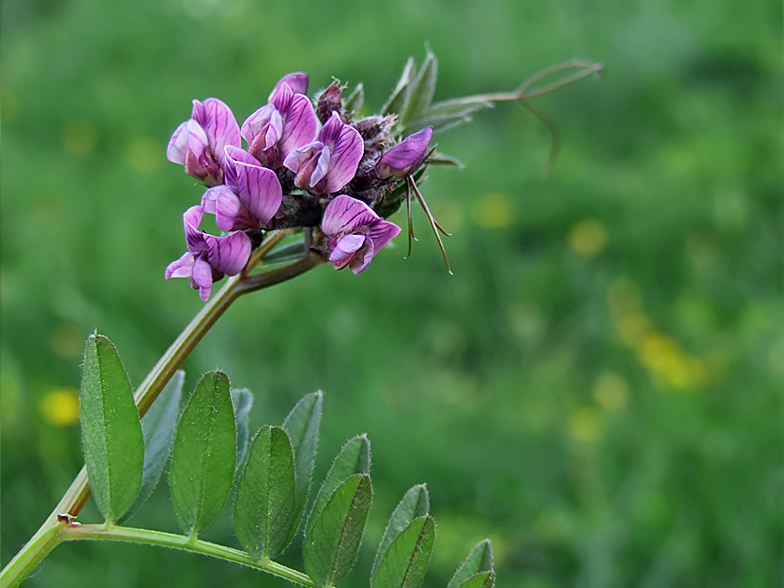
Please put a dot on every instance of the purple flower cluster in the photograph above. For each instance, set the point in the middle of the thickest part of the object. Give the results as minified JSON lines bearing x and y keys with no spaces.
{"x":301,"y":167}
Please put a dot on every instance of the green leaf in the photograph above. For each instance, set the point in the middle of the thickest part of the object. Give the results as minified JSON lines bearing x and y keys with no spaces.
{"x":241,"y":401}
{"x":438,"y":158}
{"x":111,"y":432}
{"x":398,"y":101}
{"x":354,"y":458}
{"x":158,"y":427}
{"x":480,"y":580}
{"x":422,"y":90}
{"x":302,"y":425}
{"x":264,"y":508}
{"x":416,"y":503}
{"x":203,"y":456}
{"x":449,"y":113}
{"x":405,"y":562}
{"x":479,"y":560}
{"x":355,"y":100}
{"x":332,"y":545}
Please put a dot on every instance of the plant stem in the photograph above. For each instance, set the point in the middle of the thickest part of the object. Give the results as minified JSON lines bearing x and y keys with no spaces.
{"x":47,"y":537}
{"x":110,"y":532}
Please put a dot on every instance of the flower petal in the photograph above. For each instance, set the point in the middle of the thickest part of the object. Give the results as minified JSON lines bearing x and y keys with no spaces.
{"x":299,"y":125}
{"x":297,"y":80}
{"x":191,"y":219}
{"x":219,"y":124}
{"x":178,"y":144}
{"x":344,"y":248}
{"x":236,"y":155}
{"x":382,"y":232}
{"x":181,"y":268}
{"x":347,"y":148}
{"x":259,"y":190}
{"x":227,"y":208}
{"x":405,"y":157}
{"x":228,"y":254}
{"x":262,"y":130}
{"x":363,"y":257}
{"x":201,"y":277}
{"x":345,"y":214}
{"x":322,"y":167}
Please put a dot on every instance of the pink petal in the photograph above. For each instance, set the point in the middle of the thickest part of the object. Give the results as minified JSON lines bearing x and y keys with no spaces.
{"x":227,"y":208}
{"x":345,"y":214}
{"x":299,"y":125}
{"x":219,"y":124}
{"x":181,"y":268}
{"x":201,"y":278}
{"x":322,"y":167}
{"x":178,"y":144}
{"x":228,"y":254}
{"x":382,"y":232}
{"x":402,"y":159}
{"x":344,"y":249}
{"x":263,"y":128}
{"x":193,"y":236}
{"x":362,"y":259}
{"x":347,"y":148}
{"x":297,"y":80}
{"x":259,"y":190}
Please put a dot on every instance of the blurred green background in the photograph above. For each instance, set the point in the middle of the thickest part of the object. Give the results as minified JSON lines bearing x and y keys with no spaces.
{"x":597,"y":389}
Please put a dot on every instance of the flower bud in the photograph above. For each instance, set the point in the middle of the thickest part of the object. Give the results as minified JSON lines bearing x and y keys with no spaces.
{"x":404,"y":158}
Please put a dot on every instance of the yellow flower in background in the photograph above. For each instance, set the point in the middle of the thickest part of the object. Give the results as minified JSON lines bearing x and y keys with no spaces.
{"x":493,"y":211}
{"x":588,"y":238}
{"x":60,"y":408}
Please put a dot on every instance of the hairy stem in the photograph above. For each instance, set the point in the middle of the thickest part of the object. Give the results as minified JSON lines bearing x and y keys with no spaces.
{"x":184,"y":543}
{"x":48,"y":535}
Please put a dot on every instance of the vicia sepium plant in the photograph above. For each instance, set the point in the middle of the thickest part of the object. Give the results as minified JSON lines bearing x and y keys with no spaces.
{"x":314,"y":183}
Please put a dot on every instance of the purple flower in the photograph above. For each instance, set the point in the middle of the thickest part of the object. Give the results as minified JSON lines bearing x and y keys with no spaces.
{"x":209,"y":258}
{"x":285,"y":124}
{"x":250,"y":197}
{"x":297,"y":80}
{"x":330,"y":162}
{"x":405,"y":157}
{"x":355,"y":232}
{"x":198,"y":143}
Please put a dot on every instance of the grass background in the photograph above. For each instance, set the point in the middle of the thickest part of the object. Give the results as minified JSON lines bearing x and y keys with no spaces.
{"x":597,"y":389}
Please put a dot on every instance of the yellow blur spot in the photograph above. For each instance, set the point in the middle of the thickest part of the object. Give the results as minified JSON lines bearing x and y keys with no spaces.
{"x":60,"y":408}
{"x":633,"y":327}
{"x":674,"y":368}
{"x":66,"y":341}
{"x":79,"y":137}
{"x":657,"y":351}
{"x":588,"y":238}
{"x":586,"y":424}
{"x":493,"y":211}
{"x":144,"y":155}
{"x":611,"y":392}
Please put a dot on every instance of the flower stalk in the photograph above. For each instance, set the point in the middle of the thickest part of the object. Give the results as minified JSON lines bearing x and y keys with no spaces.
{"x":51,"y":532}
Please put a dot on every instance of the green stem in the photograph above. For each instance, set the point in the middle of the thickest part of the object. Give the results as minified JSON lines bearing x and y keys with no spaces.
{"x":108,"y":532}
{"x":47,"y":537}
